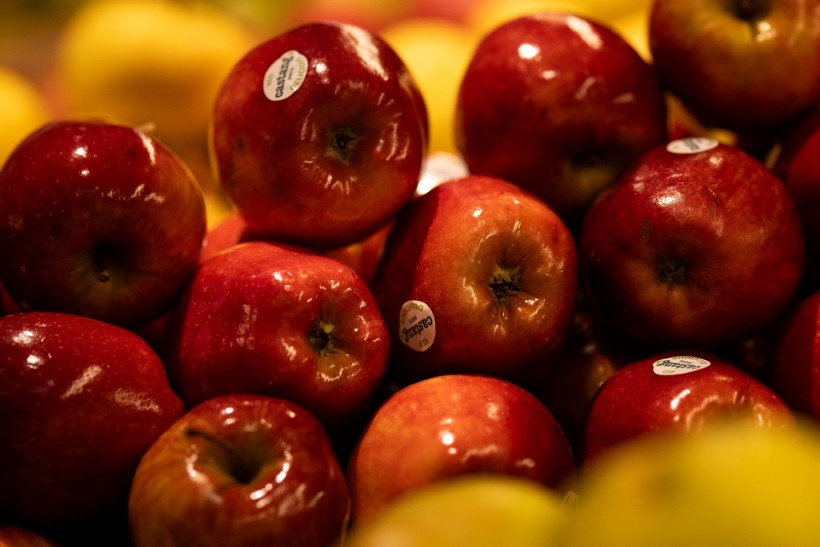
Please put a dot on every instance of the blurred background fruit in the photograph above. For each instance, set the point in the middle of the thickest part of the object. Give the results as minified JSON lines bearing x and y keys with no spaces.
{"x":22,"y":109}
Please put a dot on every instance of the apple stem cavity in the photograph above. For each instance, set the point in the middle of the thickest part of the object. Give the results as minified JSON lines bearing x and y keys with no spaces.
{"x":342,"y":144}
{"x":322,"y":338}
{"x":671,"y":270}
{"x":751,"y":10}
{"x":505,"y":283}
{"x":102,"y":257}
{"x":241,"y":469}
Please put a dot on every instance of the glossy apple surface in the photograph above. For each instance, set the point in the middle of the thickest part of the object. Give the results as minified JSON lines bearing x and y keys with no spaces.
{"x":454,"y":425}
{"x":560,"y":105}
{"x":795,"y":372}
{"x":16,"y":536}
{"x":318,"y":135}
{"x":363,"y":256}
{"x":742,"y":64}
{"x":99,"y":220}
{"x":700,"y":246}
{"x":478,"y":276}
{"x":240,"y":470}
{"x":681,"y":392}
{"x":80,"y":402}
{"x":274,"y":320}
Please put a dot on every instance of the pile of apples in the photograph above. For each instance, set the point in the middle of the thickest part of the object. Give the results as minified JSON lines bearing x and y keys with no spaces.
{"x":596,"y":265}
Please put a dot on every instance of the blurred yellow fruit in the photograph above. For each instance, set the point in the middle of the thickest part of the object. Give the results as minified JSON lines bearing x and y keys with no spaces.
{"x":634,"y":27}
{"x":155,"y":62}
{"x":437,"y":53}
{"x":22,"y":110}
{"x":475,"y":510}
{"x":734,"y":485}
{"x":490,"y":14}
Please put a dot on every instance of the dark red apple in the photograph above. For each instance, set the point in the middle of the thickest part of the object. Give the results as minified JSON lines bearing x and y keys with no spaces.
{"x":698,"y":245}
{"x":80,"y":403}
{"x":275,"y":320}
{"x":452,"y":425}
{"x":738,"y":64}
{"x":98,"y":220}
{"x":479,"y":276}
{"x":560,"y":105}
{"x":798,"y":166}
{"x":239,"y":470}
{"x":319,"y":134}
{"x":677,"y":392}
{"x":795,"y":372}
{"x":363,"y":256}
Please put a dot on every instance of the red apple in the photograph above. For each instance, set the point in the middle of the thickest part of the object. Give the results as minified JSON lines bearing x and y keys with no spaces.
{"x":16,"y":536}
{"x":452,"y":425}
{"x":560,"y":105}
{"x":698,"y":245}
{"x":741,"y":64}
{"x":363,"y":256}
{"x":798,"y":166}
{"x":318,"y":135}
{"x":478,"y":275}
{"x":80,"y":402}
{"x":795,"y":371}
{"x":99,"y":220}
{"x":680,"y":392}
{"x":274,"y":320}
{"x":240,"y":470}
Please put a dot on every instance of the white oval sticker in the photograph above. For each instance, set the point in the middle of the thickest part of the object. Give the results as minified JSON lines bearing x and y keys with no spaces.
{"x":285,"y":76}
{"x":691,"y":145}
{"x":679,"y":364}
{"x":417,"y":327}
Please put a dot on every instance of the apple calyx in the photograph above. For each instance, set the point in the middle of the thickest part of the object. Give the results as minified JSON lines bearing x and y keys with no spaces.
{"x":342,"y":144}
{"x":241,"y":469}
{"x":102,"y":256}
{"x":322,"y":338}
{"x":671,"y":270}
{"x":752,"y":10}
{"x":505,"y":283}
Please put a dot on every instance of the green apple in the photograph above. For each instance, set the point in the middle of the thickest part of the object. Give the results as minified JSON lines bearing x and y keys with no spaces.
{"x":732,"y":485}
{"x":475,"y":510}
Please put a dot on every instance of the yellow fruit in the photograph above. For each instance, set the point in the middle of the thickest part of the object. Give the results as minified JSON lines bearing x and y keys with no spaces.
{"x":734,"y":485}
{"x":142,"y":62}
{"x":475,"y":510}
{"x":22,"y":110}
{"x":634,"y":27}
{"x":437,"y":53}
{"x":490,"y":14}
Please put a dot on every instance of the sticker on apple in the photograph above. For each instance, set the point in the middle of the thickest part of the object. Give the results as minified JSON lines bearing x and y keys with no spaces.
{"x":285,"y":76}
{"x":680,"y":364}
{"x":417,"y":327}
{"x":691,"y":145}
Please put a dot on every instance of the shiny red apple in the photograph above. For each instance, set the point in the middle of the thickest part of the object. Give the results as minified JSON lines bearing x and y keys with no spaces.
{"x":319,"y":134}
{"x":795,"y":369}
{"x":740,"y":64}
{"x":560,"y":105}
{"x":80,"y":403}
{"x":478,"y":275}
{"x":100,"y":220}
{"x":276,"y":320}
{"x":677,"y":392}
{"x":698,"y":245}
{"x":452,"y":425}
{"x":240,"y":470}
